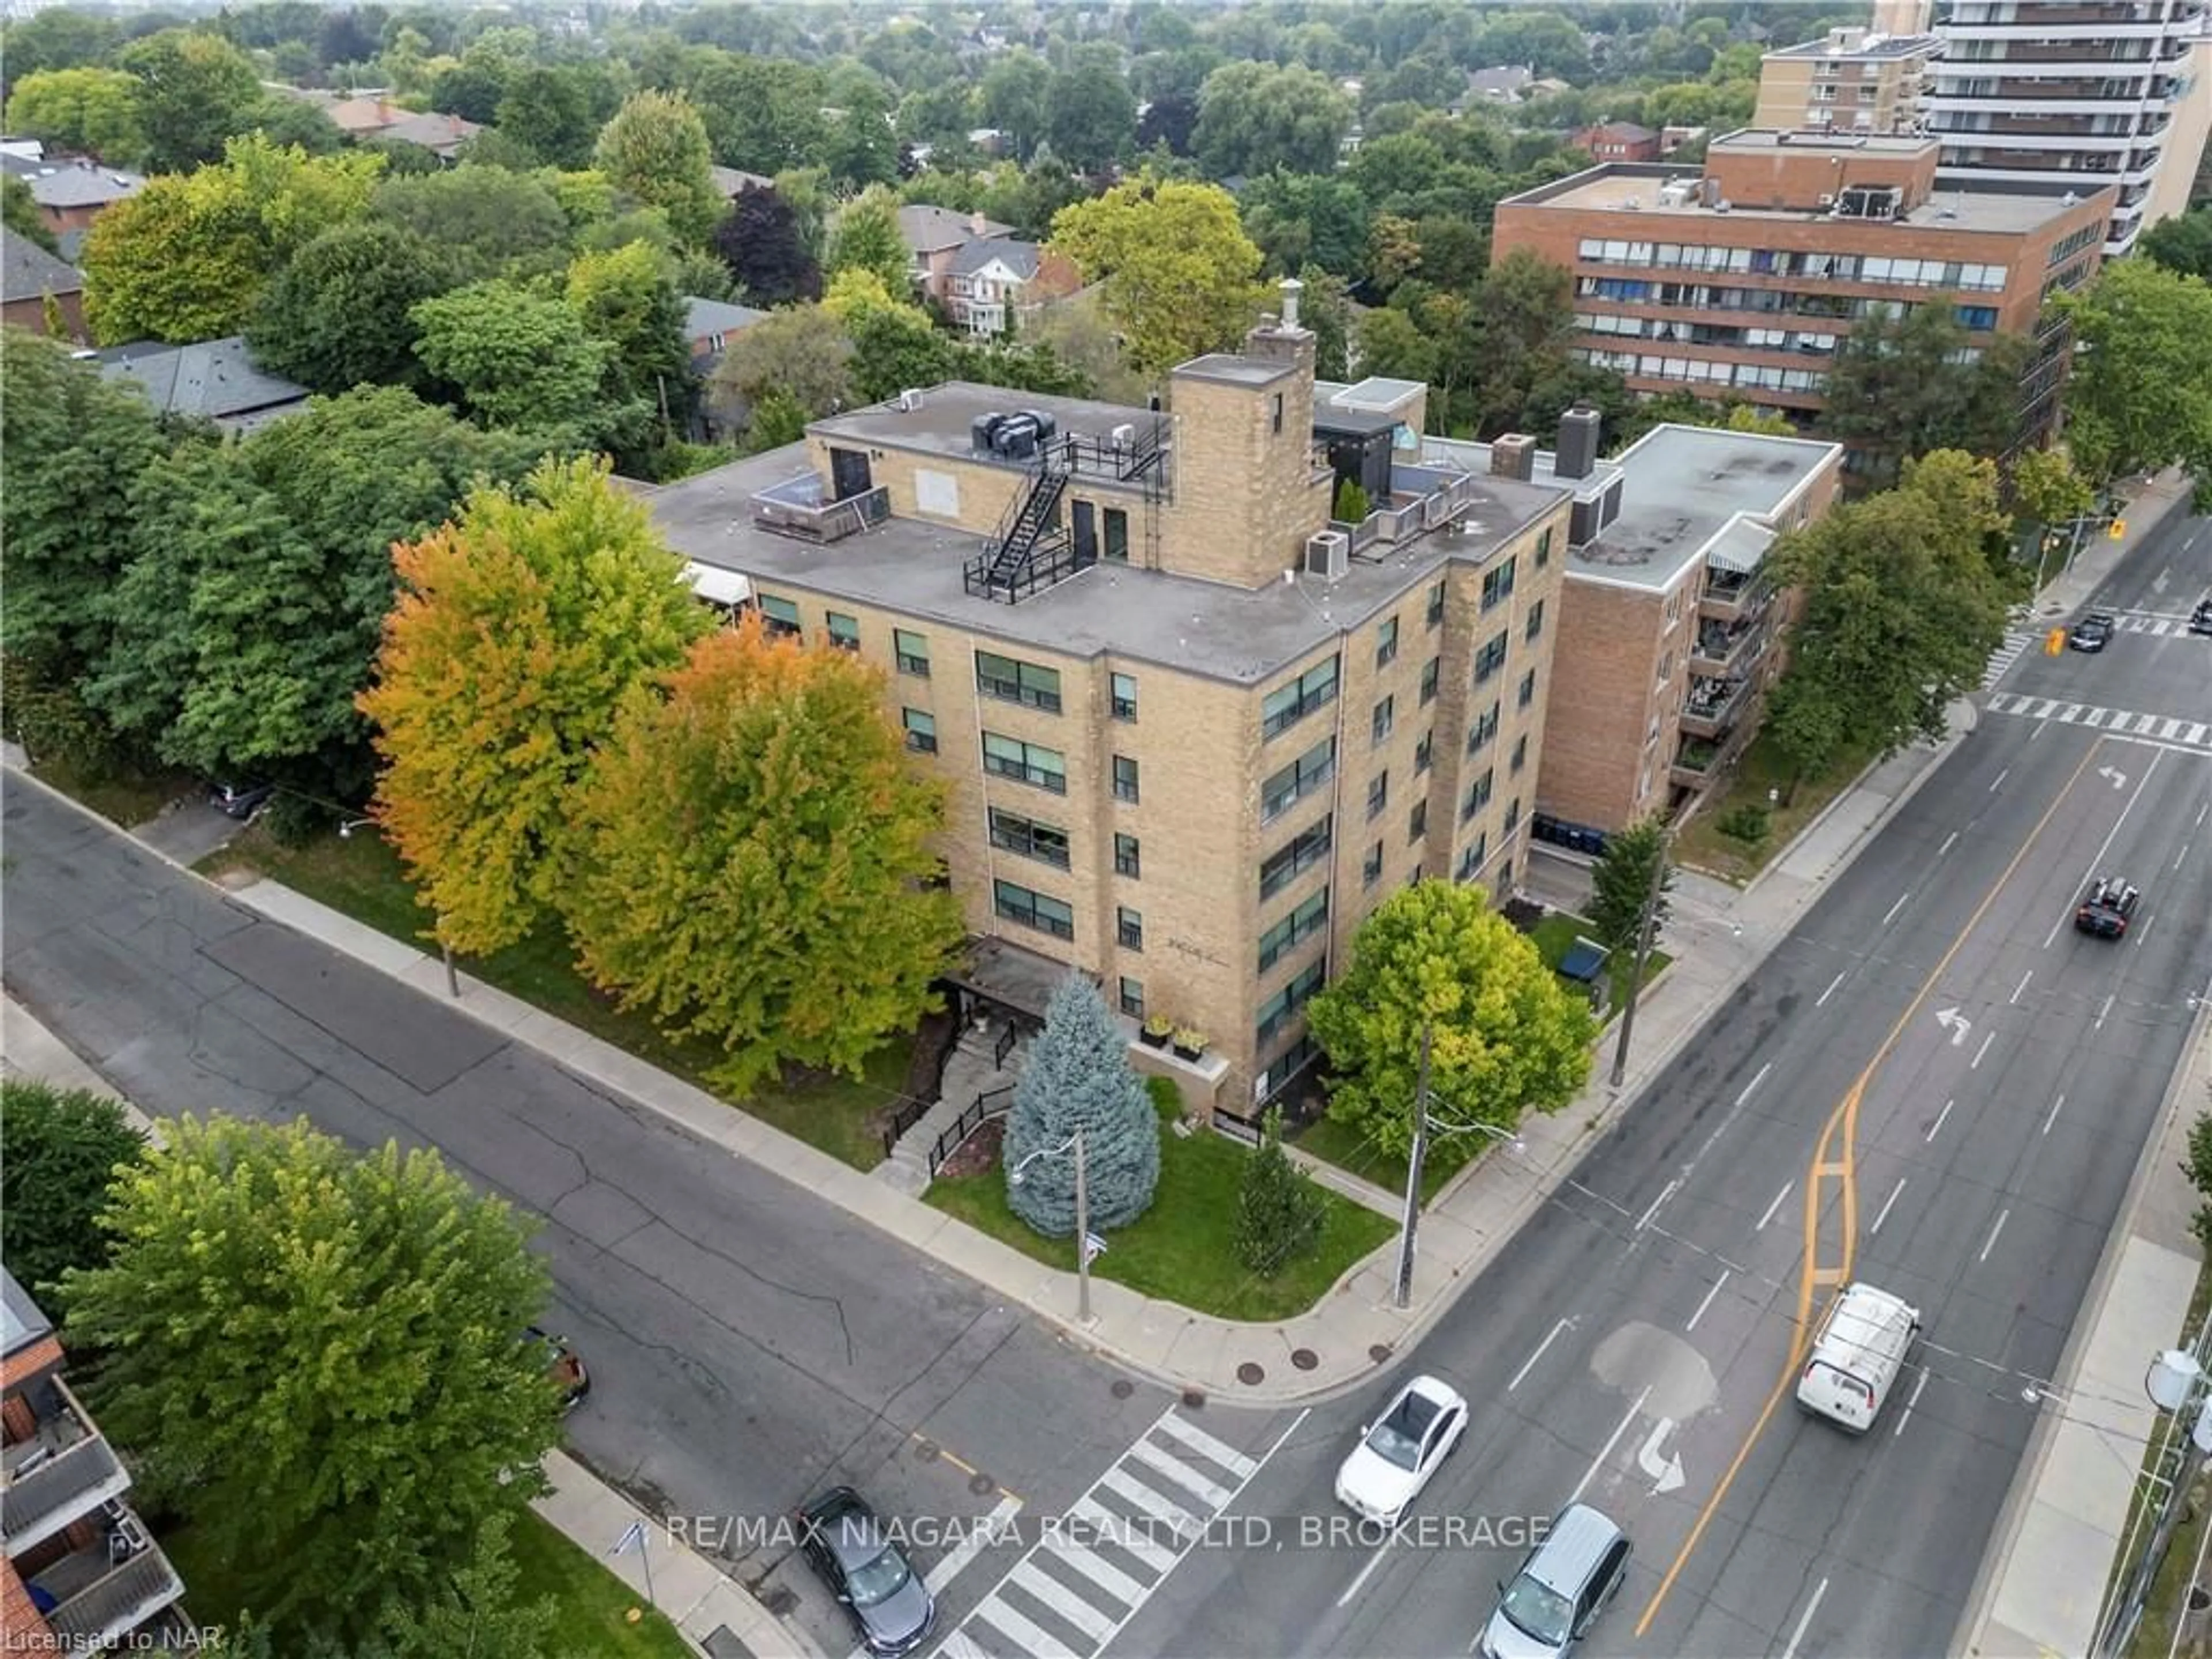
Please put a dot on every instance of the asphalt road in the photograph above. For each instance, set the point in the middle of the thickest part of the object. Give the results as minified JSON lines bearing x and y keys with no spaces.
{"x":1934,"y":1085}
{"x":750,"y":1345}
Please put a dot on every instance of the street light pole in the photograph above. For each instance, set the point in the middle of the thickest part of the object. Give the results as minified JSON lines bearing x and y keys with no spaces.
{"x":1405,"y":1289}
{"x":1646,"y":931}
{"x":1082,"y":1234}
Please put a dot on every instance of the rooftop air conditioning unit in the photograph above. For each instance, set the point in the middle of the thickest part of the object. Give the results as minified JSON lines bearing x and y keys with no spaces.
{"x":1722,"y":206}
{"x":1827,"y":201}
{"x":1124,"y":436}
{"x":1329,"y":553}
{"x":909,"y":400}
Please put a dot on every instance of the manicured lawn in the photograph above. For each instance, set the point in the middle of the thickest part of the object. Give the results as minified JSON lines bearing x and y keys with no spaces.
{"x":361,"y":876}
{"x":1555,"y":935}
{"x":1183,"y":1249}
{"x":1351,"y":1151}
{"x":1700,"y":845}
{"x":128,"y":799}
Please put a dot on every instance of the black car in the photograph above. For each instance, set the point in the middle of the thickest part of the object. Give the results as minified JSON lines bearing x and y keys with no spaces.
{"x":2106,"y":908}
{"x":2200,"y":620}
{"x":2093,"y":633}
{"x":869,"y":1574}
{"x":568,"y":1371}
{"x":240,"y":800}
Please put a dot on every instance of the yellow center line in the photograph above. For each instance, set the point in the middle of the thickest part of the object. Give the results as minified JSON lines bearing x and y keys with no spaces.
{"x":1839,"y":1162}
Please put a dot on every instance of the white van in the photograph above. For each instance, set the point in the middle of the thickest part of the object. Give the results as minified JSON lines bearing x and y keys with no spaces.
{"x":1856,"y":1356}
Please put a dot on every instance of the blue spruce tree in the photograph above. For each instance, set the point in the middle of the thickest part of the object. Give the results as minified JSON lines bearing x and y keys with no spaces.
{"x":1078,"y":1076}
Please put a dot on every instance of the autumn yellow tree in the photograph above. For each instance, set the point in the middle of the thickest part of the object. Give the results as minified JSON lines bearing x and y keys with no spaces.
{"x":516,"y":635}
{"x":1181,"y":277}
{"x":753,"y":864}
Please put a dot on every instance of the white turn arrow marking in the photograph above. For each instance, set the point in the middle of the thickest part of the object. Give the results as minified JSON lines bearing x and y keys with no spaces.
{"x":1668,"y":1473}
{"x":1955,"y":1023}
{"x":2113,"y":775}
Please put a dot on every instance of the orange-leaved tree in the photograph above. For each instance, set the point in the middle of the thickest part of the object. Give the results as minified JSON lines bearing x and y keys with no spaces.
{"x":753,"y":863}
{"x":516,"y":634}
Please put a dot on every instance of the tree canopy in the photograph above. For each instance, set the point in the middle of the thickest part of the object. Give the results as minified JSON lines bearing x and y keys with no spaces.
{"x":1255,"y":118}
{"x":59,"y":1152}
{"x":89,"y":112}
{"x":1620,"y":885}
{"x":1180,"y":273}
{"x":194,"y":90}
{"x":520,"y":358}
{"x":339,"y":312}
{"x":2141,"y":396}
{"x":762,"y":241}
{"x":1076,"y":1076}
{"x":1896,"y":389}
{"x":656,"y":149}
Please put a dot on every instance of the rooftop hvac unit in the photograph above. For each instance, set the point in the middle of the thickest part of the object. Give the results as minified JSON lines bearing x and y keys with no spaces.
{"x":909,"y":400}
{"x":1827,"y":201}
{"x":1329,"y":553}
{"x":1125,"y":436}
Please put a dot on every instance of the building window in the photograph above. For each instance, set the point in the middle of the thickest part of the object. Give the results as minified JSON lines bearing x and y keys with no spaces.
{"x":1484,"y":729}
{"x":844,"y":631}
{"x":1017,"y":682}
{"x":1528,"y":693}
{"x":1417,"y":821}
{"x":1436,"y":614}
{"x":1033,"y":909}
{"x":1279,"y":1009}
{"x":1127,"y":861}
{"x":1133,"y":997}
{"x":1386,"y":643}
{"x":1423,"y":752}
{"x":1125,"y":696}
{"x":1478,"y":795}
{"x":1275,"y":413}
{"x":778,"y":616}
{"x":1125,"y":779}
{"x":1513,"y":814}
{"x":1471,"y":861}
{"x":1520,"y":753}
{"x":1044,"y":842}
{"x":1129,"y":928}
{"x":1378,"y":792}
{"x":1544,"y":547}
{"x":1307,"y":773}
{"x":1285,"y":1067}
{"x":1535,"y":620}
{"x":1384,"y":718}
{"x":913,"y":651}
{"x":1117,"y":536}
{"x":1287,"y":705}
{"x":1370,"y":867}
{"x":1025,"y":763}
{"x":1293,"y":930}
{"x":1430,"y":670}
{"x":920,"y":731}
{"x":1299,"y":854}
{"x":1489,"y":658}
{"x":1497,"y":586}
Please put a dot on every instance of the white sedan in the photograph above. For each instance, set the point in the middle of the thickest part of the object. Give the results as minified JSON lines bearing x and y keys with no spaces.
{"x":1400,"y":1450}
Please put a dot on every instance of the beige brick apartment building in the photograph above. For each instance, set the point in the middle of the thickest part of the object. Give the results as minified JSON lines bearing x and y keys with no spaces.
{"x":1852,"y":80}
{"x":1193,"y":733}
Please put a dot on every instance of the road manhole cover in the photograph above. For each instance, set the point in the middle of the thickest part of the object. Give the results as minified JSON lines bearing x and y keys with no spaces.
{"x":1194,"y":1399}
{"x":927,"y":1451}
{"x":1379,"y":1352}
{"x":1305,"y":1358}
{"x":1122,"y":1388}
{"x":1251,"y":1374}
{"x":982,"y":1485}
{"x":779,"y":1601}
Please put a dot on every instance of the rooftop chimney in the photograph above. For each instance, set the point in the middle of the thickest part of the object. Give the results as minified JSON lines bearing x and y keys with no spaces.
{"x":978,"y":224}
{"x":1292,"y":288}
{"x":1576,"y":455}
{"x":1513,"y":456}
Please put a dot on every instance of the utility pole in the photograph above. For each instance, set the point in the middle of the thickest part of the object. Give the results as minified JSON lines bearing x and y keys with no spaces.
{"x":1646,"y":931}
{"x":1082,"y":1234}
{"x":1413,"y":1174}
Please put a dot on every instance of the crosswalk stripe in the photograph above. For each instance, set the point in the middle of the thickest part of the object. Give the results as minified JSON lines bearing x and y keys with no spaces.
{"x":1208,"y":1447}
{"x":2146,"y":722}
{"x":1124,"y":1536}
{"x":1061,"y":1601}
{"x":2070,"y":713}
{"x":1088,"y":1562}
{"x":1181,"y":1472}
{"x":1124,"y":1485}
{"x":2170,"y":729}
{"x":2195,"y":734}
{"x":2045,"y":708}
{"x":1041,"y":1643}
{"x":958,"y":1645}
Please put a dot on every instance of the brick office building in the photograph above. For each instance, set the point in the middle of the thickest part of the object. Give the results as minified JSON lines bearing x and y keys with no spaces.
{"x":1193,"y":732}
{"x":1738,"y":279}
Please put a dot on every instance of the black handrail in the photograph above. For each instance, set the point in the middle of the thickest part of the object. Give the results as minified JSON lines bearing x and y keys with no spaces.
{"x":992,"y":1103}
{"x":1004,"y":1047}
{"x":910,"y":1112}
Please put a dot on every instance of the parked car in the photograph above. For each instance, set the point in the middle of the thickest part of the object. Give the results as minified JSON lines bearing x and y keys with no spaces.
{"x":2107,"y":908}
{"x":2200,"y":620}
{"x":240,"y":800}
{"x":568,"y":1371}
{"x":1400,"y":1451}
{"x":844,"y":1542}
{"x":2093,"y":633}
{"x":1561,"y":1590}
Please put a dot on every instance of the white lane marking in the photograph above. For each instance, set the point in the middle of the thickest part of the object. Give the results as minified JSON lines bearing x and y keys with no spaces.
{"x":2035,"y":731}
{"x":1938,"y":1123}
{"x":2097,"y":859}
{"x":1367,"y":1571}
{"x":1154,"y":1503}
{"x":1776,"y":1205}
{"x":958,"y":1645}
{"x":1831,"y":991}
{"x":1708,"y":1302}
{"x":1672,"y":1186}
{"x":1208,"y":1448}
{"x":1993,"y":1231}
{"x":2053,"y":1118}
{"x":1033,"y":1581}
{"x":1886,"y":1205}
{"x":1949,"y":841}
{"x":1135,"y":1541}
{"x":1759,"y":1079}
{"x":1529,"y":1364}
{"x":1891,"y":915}
{"x":2201,"y":811}
{"x":2182,"y":854}
{"x":1999,"y":779}
{"x":1906,"y":1416}
{"x":1975,"y":1065}
{"x":2102,"y":1012}
{"x":994,"y":1528}
{"x":1605,"y":1450}
{"x":1033,"y":1639}
{"x":1181,"y":1472}
{"x":1811,"y":1607}
{"x":2021,"y":986}
{"x":1085,"y":1560}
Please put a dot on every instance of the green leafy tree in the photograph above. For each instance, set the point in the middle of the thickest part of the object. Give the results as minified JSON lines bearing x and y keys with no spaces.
{"x":2048,"y":489}
{"x":1077,"y":1077}
{"x":520,"y":359}
{"x":485,"y":220}
{"x":1895,"y":390}
{"x":2141,"y":396}
{"x":1392,"y":344}
{"x":549,"y":109}
{"x":798,"y":353}
{"x":1506,"y":1037}
{"x":194,"y":90}
{"x":1255,"y":118}
{"x":1298,"y":219}
{"x":19,"y":211}
{"x":862,"y":148}
{"x":319,"y":1360}
{"x":866,"y":237}
{"x":763,"y":243}
{"x":776,"y":902}
{"x":628,"y":302}
{"x":764,"y":117}
{"x":57,"y":37}
{"x":1620,"y":885}
{"x":1016,"y":96}
{"x":1091,"y":118}
{"x":1901,"y":609}
{"x":655,"y":149}
{"x":287,"y":121}
{"x":1180,"y":274}
{"x":1523,"y":328}
{"x":517,"y":634}
{"x":59,"y":1152}
{"x":91,"y":111}
{"x":339,"y":314}
{"x":2183,"y":244}
{"x":1279,"y":1211}
{"x":478,"y":1612}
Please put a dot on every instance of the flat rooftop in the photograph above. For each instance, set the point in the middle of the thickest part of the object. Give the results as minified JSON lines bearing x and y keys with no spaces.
{"x":943,"y":423}
{"x":1874,"y":47}
{"x":1238,"y":635}
{"x":1633,"y":186}
{"x":1682,"y":486}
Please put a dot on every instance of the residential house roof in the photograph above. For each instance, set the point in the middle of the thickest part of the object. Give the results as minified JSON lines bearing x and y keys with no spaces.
{"x":443,"y":134}
{"x":1618,"y":132}
{"x":1020,"y":257}
{"x":1505,"y":81}
{"x":932,"y":229}
{"x":216,"y":379}
{"x":731,"y":180}
{"x":61,"y":183}
{"x":706,"y":318}
{"x":28,"y":272}
{"x":367,"y":116}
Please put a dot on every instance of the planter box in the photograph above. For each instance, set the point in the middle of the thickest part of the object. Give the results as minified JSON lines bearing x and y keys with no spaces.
{"x":1152,"y":1042}
{"x":1194,"y":1055}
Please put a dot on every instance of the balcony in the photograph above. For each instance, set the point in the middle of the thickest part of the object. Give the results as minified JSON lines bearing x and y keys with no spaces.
{"x":64,"y":1471}
{"x":1722,"y":651}
{"x":1699,"y":761}
{"x":1728,"y":597}
{"x":1713,"y":706}
{"x":95,"y":1596}
{"x":799,"y":507}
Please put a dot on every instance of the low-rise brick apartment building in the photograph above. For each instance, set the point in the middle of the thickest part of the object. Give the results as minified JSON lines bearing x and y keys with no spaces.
{"x":1670,"y":632}
{"x":1851,"y":81}
{"x":1739,"y":279}
{"x":1193,"y":732}
{"x":80,"y":1574}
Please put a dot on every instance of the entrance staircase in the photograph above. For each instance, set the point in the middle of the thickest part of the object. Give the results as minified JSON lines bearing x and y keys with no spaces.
{"x":977,"y":1066}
